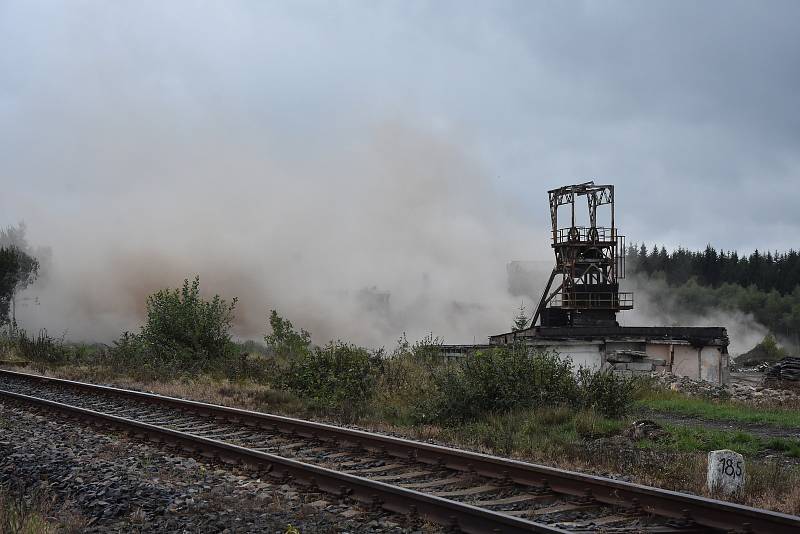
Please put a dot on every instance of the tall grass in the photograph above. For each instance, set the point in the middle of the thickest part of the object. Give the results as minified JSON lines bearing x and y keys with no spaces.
{"x":32,"y":510}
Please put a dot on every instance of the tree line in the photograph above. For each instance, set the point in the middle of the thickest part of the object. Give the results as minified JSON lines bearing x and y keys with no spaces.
{"x":764,"y":284}
{"x":764,"y":270}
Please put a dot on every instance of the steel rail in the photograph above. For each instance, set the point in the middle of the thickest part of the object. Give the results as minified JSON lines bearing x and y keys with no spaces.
{"x":701,"y":510}
{"x":396,"y":499}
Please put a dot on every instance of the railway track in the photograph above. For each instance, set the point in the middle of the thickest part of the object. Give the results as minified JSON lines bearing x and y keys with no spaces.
{"x":473,"y":492}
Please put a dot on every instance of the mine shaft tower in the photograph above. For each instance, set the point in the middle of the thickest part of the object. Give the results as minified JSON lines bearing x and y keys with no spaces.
{"x":590,"y":261}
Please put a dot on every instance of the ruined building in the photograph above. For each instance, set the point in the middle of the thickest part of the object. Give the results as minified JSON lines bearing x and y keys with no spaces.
{"x":577,"y":314}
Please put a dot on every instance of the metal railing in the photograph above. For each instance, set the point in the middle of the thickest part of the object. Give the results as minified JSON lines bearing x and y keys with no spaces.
{"x":584,"y":234}
{"x":593,"y":301}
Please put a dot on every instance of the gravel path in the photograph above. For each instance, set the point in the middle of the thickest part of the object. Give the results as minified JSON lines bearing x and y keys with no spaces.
{"x":104,"y":482}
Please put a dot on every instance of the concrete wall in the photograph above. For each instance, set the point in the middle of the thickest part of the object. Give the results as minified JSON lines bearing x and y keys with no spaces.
{"x":661,"y":355}
{"x":685,"y":361}
{"x":708,"y":363}
{"x":678,"y":357}
{"x":588,"y":356}
{"x":711,"y":364}
{"x":624,"y":345}
{"x":633,"y":356}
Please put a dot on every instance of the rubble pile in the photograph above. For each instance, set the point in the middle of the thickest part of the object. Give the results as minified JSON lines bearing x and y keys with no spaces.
{"x":695,"y":388}
{"x":786,"y":369}
{"x":732,"y":391}
{"x":762,"y":367}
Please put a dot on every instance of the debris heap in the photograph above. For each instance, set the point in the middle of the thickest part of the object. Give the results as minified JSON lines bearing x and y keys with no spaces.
{"x":786,"y":369}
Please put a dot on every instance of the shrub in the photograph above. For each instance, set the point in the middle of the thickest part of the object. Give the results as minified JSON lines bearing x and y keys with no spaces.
{"x":183,"y":334}
{"x":336,"y":376}
{"x":606,"y":393}
{"x":284,"y":339}
{"x":405,"y":377}
{"x":253,"y":347}
{"x":181,"y":319}
{"x":133,"y":354}
{"x":507,"y":378}
{"x":497,"y":380}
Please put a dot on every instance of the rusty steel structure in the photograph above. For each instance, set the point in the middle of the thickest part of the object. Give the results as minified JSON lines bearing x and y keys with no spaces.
{"x":590,"y":261}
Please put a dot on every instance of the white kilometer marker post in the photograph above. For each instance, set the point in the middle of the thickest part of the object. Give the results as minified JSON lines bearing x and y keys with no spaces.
{"x":725,"y":472}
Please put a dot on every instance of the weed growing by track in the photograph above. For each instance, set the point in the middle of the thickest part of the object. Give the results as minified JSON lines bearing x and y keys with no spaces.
{"x":538,"y":431}
{"x":24,"y":510}
{"x":19,"y":517}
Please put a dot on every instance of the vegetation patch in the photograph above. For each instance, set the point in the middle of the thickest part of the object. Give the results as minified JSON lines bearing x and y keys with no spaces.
{"x":674,"y":402}
{"x":27,"y":513}
{"x":498,"y":379}
{"x":508,"y":400}
{"x":406,"y":377}
{"x":183,"y":333}
{"x":549,"y":432}
{"x":790,"y":447}
{"x":513,"y":377}
{"x":682,"y":438}
{"x":336,"y":376}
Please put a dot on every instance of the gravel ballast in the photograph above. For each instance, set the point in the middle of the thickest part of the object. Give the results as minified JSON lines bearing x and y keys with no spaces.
{"x":105,"y":481}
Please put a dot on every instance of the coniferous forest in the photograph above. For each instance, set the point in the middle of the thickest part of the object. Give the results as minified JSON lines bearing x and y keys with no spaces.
{"x":764,"y":284}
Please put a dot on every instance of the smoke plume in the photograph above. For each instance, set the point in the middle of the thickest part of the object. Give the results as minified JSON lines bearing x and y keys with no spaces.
{"x":399,"y":232}
{"x":370,"y":168}
{"x":654,"y":306}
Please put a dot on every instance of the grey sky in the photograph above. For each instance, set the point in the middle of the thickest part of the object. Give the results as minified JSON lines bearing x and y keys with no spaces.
{"x":168,"y":126}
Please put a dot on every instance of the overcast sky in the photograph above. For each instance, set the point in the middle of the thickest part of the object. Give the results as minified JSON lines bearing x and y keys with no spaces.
{"x":162,"y":129}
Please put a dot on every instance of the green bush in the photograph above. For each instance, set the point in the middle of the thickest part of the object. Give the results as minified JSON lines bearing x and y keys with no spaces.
{"x":608,"y":394}
{"x":284,"y":339}
{"x":516,"y":377}
{"x":183,"y":334}
{"x":338,"y":376}
{"x":181,"y":319}
{"x":499,"y":379}
{"x":405,"y":377}
{"x":131,"y":353}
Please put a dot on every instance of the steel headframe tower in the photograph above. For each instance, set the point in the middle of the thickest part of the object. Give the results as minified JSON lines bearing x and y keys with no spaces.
{"x":590,"y":260}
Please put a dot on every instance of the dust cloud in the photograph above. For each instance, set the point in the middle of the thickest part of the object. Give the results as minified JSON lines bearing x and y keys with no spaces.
{"x":401,"y":232}
{"x":396,"y":231}
{"x":654,"y":306}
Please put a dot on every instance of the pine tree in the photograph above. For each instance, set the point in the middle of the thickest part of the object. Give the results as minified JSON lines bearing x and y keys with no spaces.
{"x":521,"y":320}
